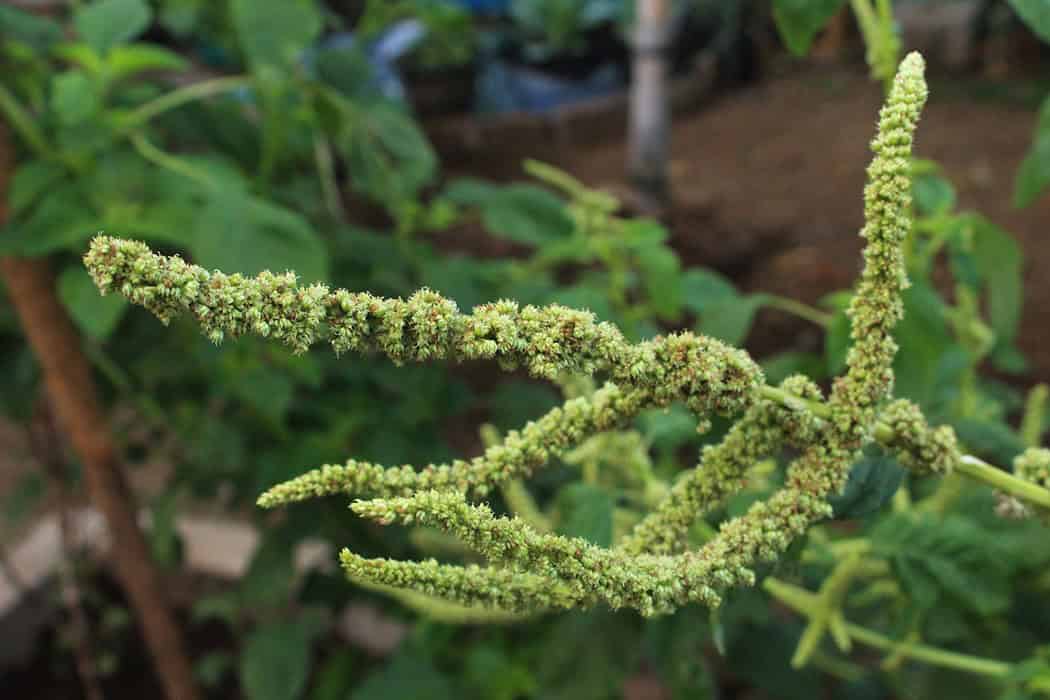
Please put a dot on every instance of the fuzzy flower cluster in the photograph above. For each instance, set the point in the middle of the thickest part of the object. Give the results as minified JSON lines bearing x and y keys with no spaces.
{"x":916,"y":445}
{"x":1034,"y":465}
{"x":651,"y":569}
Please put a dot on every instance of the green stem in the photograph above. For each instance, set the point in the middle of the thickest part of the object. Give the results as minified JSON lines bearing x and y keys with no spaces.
{"x":165,"y":160}
{"x":23,"y":123}
{"x":184,"y":95}
{"x":791,"y":306}
{"x":1034,"y":413}
{"x":805,"y":602}
{"x":968,"y":465}
{"x":930,"y":655}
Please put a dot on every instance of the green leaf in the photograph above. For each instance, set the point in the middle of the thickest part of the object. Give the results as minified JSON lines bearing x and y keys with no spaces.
{"x":32,"y":179}
{"x":526,"y":214}
{"x":271,"y":575}
{"x":702,"y":288}
{"x":62,"y":219}
{"x":336,"y":677}
{"x":495,"y":676}
{"x":659,"y":267}
{"x":586,"y":656}
{"x":989,"y":439}
{"x":1036,"y":14}
{"x":469,"y":191}
{"x":267,"y":391}
{"x":238,"y":232}
{"x":126,"y":61}
{"x":949,"y":555}
{"x":105,"y":23}
{"x":999,"y":263}
{"x":34,"y":31}
{"x":872,"y":483}
{"x":730,"y":320}
{"x":95,"y":314}
{"x":407,"y":676}
{"x":933,"y":194}
{"x":212,"y":668}
{"x":924,"y":339}
{"x":587,"y":512}
{"x":388,"y":156}
{"x":275,"y":662}
{"x":275,"y":32}
{"x":799,"y":21}
{"x":73,"y":97}
{"x":782,"y":365}
{"x":1034,"y":174}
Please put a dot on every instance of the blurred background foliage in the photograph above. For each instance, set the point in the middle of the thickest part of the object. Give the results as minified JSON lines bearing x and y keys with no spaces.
{"x":284,"y":134}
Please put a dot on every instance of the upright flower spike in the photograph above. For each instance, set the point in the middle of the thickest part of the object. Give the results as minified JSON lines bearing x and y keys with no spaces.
{"x":877,"y":305}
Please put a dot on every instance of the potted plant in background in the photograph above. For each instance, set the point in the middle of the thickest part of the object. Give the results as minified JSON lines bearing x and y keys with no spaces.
{"x":436,"y":44}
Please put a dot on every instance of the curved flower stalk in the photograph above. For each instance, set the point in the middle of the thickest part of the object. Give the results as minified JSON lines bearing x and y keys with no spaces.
{"x":533,"y":571}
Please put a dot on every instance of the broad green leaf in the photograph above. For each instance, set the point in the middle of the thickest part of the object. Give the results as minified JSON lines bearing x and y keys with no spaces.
{"x":660,"y":267}
{"x":96,"y":315}
{"x":702,"y":288}
{"x":388,"y":156}
{"x":73,"y":97}
{"x":336,"y":678}
{"x":469,"y":191}
{"x":924,"y":339}
{"x":105,"y":23}
{"x":799,"y":21}
{"x":989,"y":439}
{"x":60,"y":220}
{"x":1034,"y":174}
{"x":949,"y":555}
{"x":275,"y":662}
{"x":271,"y":574}
{"x":587,"y":512}
{"x":275,"y":32}
{"x":933,"y":195}
{"x":782,"y":365}
{"x":494,"y":675}
{"x":268,"y":392}
{"x":32,"y":179}
{"x":129,"y":60}
{"x":1036,"y":14}
{"x":872,"y":483}
{"x":586,"y":656}
{"x":241,"y":233}
{"x":213,"y":667}
{"x":526,"y":214}
{"x":407,"y":676}
{"x":730,"y":320}
{"x":998,"y":260}
{"x":34,"y":31}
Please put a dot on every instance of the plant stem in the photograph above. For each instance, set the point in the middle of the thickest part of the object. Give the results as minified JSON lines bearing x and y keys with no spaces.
{"x":165,"y":160}
{"x":184,"y":95}
{"x":23,"y":123}
{"x":968,"y":465}
{"x":791,"y":306}
{"x":803,"y":601}
{"x":70,"y":388}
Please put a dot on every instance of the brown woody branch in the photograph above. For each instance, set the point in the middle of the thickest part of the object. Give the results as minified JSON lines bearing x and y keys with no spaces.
{"x":71,"y":392}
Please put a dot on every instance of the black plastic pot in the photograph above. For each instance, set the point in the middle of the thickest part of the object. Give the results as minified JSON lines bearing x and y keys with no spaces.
{"x":441,"y":92}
